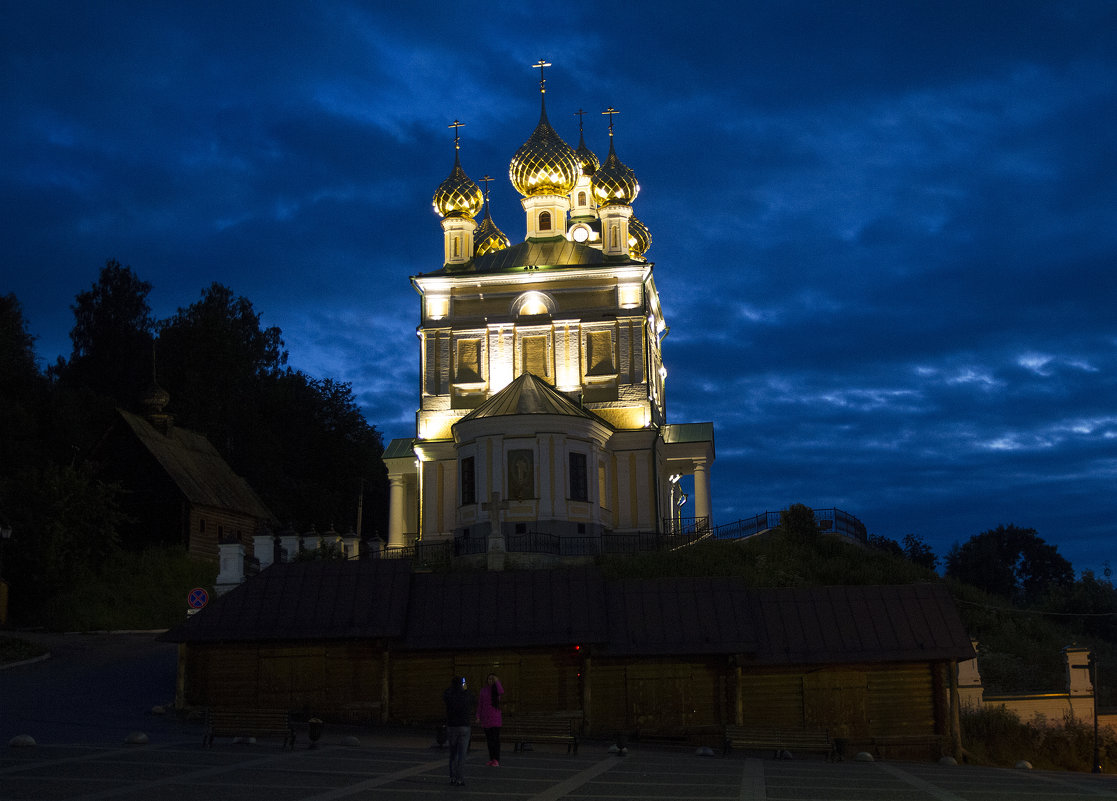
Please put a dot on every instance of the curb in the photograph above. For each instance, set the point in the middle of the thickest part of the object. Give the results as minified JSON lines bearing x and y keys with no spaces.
{"x":30,"y":661}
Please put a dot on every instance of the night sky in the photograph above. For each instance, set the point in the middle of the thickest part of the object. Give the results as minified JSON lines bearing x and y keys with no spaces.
{"x":884,"y":233}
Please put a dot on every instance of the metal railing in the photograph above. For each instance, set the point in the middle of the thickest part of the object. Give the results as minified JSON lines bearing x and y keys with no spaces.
{"x":683,"y":533}
{"x":831,"y":520}
{"x":422,"y":554}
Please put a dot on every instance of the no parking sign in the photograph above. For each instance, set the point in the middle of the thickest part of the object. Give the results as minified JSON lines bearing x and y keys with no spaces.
{"x":196,"y":599}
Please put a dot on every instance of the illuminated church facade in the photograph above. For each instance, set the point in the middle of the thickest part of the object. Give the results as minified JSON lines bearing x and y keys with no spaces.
{"x":542,"y":405}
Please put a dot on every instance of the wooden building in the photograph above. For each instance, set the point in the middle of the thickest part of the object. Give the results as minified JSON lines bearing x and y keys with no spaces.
{"x":179,"y":489}
{"x":371,"y":641}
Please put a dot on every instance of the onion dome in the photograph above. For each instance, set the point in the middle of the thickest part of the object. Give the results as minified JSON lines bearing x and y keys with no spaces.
{"x":614,"y":184}
{"x":544,"y":164}
{"x":457,"y":196}
{"x":488,"y":238}
{"x":154,"y":399}
{"x":585,"y":156}
{"x":639,"y":238}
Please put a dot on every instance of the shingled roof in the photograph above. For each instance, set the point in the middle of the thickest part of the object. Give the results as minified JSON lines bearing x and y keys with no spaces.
{"x":529,"y":394}
{"x":793,"y":625}
{"x":324,"y":599}
{"x":196,"y":468}
{"x":538,"y":608}
{"x":497,"y":609}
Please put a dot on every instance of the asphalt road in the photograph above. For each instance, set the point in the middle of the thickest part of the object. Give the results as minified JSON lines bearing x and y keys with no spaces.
{"x":93,"y":689}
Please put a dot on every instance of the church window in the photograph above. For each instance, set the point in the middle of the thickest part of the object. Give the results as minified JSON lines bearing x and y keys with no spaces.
{"x":469,"y":482}
{"x":601,"y":494}
{"x":457,"y":248}
{"x":544,"y":221}
{"x":579,"y":481}
{"x":469,"y":361}
{"x":535,"y":356}
{"x":599,"y":353}
{"x":521,"y":475}
{"x":581,"y":198}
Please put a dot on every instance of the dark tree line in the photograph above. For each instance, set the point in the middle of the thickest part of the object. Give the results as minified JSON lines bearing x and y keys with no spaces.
{"x":301,"y":442}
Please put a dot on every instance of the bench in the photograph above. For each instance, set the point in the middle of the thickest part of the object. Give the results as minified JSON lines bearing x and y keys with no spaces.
{"x":249,"y":723}
{"x":778,"y":740}
{"x":528,"y":729}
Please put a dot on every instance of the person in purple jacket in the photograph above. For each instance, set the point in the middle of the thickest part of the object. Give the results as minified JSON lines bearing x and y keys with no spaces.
{"x":488,"y":713}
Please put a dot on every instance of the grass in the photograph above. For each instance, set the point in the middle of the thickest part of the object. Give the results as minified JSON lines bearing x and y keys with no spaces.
{"x":138,"y":590}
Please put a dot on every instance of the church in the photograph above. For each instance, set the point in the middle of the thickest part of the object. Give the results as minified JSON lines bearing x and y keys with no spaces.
{"x":542,"y":406}
{"x":541,"y":441}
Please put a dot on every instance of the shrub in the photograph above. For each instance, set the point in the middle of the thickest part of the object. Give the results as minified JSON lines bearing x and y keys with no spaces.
{"x":997,"y":736}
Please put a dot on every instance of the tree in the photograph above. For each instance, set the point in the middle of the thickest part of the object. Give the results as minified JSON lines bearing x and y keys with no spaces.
{"x":798,"y":521}
{"x":112,"y":336}
{"x":302,"y":443}
{"x":213,"y":356}
{"x":1012,"y":562}
{"x":22,"y":388}
{"x":886,"y":544}
{"x":918,"y":551}
{"x":67,"y":529}
{"x":319,"y":455}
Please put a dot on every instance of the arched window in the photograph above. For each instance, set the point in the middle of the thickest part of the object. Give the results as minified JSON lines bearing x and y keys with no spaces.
{"x":581,"y":198}
{"x":544,"y":221}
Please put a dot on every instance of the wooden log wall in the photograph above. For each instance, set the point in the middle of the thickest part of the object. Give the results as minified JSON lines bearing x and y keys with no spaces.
{"x":358,"y":681}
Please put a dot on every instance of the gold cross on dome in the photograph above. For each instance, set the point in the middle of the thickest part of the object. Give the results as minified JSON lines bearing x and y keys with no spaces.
{"x":580,"y":114}
{"x":542,"y":81}
{"x":485,"y":180}
{"x":456,"y":125}
{"x":610,"y":111}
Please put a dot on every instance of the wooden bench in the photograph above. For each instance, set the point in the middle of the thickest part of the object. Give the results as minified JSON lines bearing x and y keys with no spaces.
{"x":529,"y":729}
{"x":249,"y":723}
{"x":778,"y":740}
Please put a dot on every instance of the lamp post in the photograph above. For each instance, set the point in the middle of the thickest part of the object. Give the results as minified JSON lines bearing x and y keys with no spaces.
{"x":5,"y":535}
{"x":1094,"y":685}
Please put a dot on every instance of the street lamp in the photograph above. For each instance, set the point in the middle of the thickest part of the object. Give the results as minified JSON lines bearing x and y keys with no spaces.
{"x":1093,"y":661}
{"x":5,"y":535}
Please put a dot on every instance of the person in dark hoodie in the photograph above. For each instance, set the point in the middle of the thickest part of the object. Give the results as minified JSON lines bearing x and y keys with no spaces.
{"x":459,"y":715}
{"x":488,"y":715}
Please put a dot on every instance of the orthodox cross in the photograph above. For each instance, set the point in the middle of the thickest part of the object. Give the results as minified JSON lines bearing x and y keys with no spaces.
{"x":610,"y":111}
{"x":542,"y":81}
{"x":579,"y":113}
{"x":485,"y":180}
{"x":456,"y":125}
{"x":494,"y":506}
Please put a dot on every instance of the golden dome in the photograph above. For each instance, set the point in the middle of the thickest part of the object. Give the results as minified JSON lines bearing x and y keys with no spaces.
{"x":639,"y":238}
{"x":458,"y":196}
{"x":614,"y":184}
{"x":488,"y":238}
{"x":544,"y":164}
{"x":586,"y":157}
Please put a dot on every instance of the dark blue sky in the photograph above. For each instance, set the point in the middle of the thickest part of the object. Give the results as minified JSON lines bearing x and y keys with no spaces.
{"x":884,"y":232}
